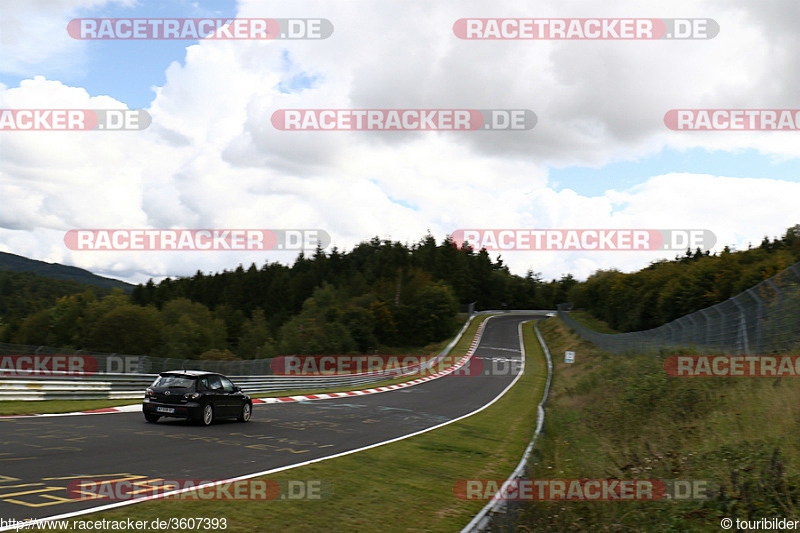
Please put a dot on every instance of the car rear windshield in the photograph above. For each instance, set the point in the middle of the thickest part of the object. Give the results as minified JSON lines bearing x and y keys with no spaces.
{"x":174,"y":382}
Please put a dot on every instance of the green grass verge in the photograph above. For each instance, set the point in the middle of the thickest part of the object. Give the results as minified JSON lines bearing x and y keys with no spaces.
{"x":403,"y":486}
{"x":622,"y":417}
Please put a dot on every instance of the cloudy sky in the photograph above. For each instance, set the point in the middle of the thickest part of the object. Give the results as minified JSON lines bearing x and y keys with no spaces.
{"x":600,"y":155}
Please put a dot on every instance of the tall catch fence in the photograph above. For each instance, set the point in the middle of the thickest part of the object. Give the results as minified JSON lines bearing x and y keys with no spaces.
{"x":764,"y":319}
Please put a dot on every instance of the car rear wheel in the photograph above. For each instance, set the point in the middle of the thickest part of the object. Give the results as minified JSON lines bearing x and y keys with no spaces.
{"x":151,"y":418}
{"x":208,"y":415}
{"x":247,"y":410}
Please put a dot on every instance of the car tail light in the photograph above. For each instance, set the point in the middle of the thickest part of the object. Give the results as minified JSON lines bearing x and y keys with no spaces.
{"x":149,"y":393}
{"x":192,"y":396}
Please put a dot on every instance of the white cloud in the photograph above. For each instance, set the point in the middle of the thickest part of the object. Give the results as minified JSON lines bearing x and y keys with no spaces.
{"x":211,"y":158}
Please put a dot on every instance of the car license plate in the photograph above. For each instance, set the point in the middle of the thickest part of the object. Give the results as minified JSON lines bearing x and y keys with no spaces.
{"x":165,"y":410}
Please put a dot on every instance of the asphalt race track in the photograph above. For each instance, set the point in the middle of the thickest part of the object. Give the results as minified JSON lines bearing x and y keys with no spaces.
{"x":40,"y":456}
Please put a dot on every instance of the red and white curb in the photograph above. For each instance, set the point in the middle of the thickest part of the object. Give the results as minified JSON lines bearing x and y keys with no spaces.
{"x":327,"y":396}
{"x":301,"y":398}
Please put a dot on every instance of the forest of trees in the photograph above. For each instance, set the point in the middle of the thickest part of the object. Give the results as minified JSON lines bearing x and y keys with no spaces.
{"x":381,"y":295}
{"x":24,"y":293}
{"x":667,"y":290}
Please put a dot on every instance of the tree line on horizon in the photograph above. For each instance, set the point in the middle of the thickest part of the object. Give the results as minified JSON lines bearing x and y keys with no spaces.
{"x":382,"y":295}
{"x":666,"y":290}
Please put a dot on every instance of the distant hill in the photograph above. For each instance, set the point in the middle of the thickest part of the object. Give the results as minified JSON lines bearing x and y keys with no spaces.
{"x":17,"y":263}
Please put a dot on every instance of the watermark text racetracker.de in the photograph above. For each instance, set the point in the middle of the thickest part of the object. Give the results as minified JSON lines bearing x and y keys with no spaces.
{"x":403,"y":119}
{"x":199,"y":489}
{"x":591,"y":29}
{"x":732,"y":365}
{"x":584,"y":489}
{"x":199,"y":28}
{"x":196,"y":239}
{"x":72,"y":365}
{"x":74,"y":119}
{"x":393,"y":365}
{"x":733,"y":119}
{"x":583,"y":239}
{"x":48,"y":365}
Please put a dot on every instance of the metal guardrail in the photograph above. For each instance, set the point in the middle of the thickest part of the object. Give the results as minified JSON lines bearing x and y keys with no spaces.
{"x":500,"y":514}
{"x":131,"y":386}
{"x":760,"y":320}
{"x":119,"y":386}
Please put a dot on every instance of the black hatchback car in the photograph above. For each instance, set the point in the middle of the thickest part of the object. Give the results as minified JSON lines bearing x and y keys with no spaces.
{"x":195,"y":395}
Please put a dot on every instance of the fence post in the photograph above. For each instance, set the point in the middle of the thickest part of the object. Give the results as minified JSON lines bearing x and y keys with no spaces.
{"x":780,"y":310}
{"x":721,"y":327}
{"x":742,"y":331}
{"x":708,"y":327}
{"x":757,"y":343}
{"x":693,"y":335}
{"x":674,"y":332}
{"x":795,"y":270}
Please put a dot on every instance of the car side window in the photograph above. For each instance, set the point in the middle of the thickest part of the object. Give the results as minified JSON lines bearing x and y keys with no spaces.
{"x":227,"y":386}
{"x":214,"y":383}
{"x":204,"y":384}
